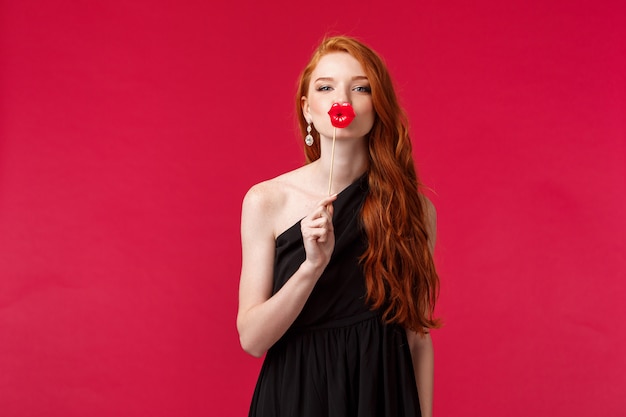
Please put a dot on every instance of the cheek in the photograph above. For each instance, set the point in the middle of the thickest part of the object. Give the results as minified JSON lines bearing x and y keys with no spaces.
{"x":318,"y":109}
{"x":317,"y":103}
{"x":367,"y":114}
{"x":363,"y":106}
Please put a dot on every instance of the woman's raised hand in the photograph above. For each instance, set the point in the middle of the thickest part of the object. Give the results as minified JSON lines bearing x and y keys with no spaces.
{"x":318,"y":233}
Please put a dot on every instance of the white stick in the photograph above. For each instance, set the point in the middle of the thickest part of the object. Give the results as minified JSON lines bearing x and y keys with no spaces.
{"x":332,"y":162}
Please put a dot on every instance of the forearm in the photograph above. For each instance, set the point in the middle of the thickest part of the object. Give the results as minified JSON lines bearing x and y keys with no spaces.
{"x":422,"y":355}
{"x":264,"y":324}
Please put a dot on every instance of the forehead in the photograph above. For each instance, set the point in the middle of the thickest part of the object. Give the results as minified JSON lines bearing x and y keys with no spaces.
{"x":337,"y":64}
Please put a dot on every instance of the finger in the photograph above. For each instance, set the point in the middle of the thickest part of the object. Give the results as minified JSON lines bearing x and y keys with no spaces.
{"x":317,"y":224}
{"x":322,"y":222}
{"x":327,"y":200}
{"x":320,"y":213}
{"x":319,"y":235}
{"x":315,"y":234}
{"x":323,"y":218}
{"x":316,"y":219}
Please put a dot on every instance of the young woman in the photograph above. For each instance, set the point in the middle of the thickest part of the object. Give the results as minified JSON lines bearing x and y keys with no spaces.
{"x":339,"y":290}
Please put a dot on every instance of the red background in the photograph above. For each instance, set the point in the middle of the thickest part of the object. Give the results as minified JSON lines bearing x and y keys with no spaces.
{"x":130,"y":131}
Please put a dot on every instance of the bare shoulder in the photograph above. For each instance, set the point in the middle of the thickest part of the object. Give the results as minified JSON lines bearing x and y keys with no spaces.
{"x":271,"y":194}
{"x":262,"y":196}
{"x":271,"y":202}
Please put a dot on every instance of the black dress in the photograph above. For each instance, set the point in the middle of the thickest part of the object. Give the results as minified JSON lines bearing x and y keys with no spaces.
{"x":337,"y":359}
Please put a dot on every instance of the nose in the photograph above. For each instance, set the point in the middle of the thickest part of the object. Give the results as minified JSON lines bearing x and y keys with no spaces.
{"x":342,"y":95}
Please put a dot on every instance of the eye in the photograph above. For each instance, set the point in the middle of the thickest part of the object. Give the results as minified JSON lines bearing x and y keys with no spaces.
{"x":363,"y":89}
{"x":323,"y":88}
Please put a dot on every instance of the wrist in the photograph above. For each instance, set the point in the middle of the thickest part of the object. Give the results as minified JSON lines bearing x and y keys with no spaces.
{"x":312,"y":269}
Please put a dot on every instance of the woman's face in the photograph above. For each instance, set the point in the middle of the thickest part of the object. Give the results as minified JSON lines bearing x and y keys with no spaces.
{"x":339,"y":78}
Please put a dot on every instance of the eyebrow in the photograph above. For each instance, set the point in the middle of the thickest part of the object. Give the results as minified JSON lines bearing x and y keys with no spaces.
{"x":357,"y":78}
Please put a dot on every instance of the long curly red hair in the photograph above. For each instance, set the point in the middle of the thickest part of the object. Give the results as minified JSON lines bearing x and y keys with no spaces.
{"x":398,"y":265}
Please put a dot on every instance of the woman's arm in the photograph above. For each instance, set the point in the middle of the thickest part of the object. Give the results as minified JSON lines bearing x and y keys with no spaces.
{"x":263,"y":318}
{"x":421,"y":346}
{"x":422,"y":354}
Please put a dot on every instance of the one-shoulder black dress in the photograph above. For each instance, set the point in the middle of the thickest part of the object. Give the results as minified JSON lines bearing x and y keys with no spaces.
{"x":338,"y":359}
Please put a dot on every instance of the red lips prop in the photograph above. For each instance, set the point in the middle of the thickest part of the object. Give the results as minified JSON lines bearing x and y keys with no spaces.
{"x":341,"y":114}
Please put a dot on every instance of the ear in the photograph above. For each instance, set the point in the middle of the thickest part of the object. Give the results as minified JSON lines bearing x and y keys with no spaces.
{"x":304,"y":101}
